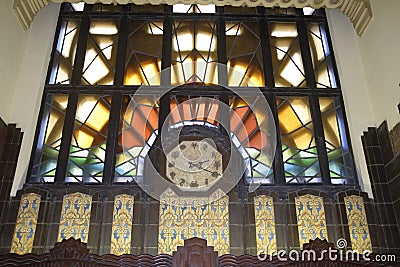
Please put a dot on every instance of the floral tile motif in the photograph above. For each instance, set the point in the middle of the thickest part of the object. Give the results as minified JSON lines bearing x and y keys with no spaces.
{"x":265,"y":225}
{"x":122,"y":225}
{"x":75,"y":217}
{"x":25,"y":227}
{"x":358,"y":225}
{"x":311,"y":221}
{"x":183,"y":218}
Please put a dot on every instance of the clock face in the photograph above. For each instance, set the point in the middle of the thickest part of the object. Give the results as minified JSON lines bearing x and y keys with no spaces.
{"x":194,"y":164}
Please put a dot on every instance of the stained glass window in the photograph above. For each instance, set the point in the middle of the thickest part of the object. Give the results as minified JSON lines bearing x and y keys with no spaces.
{"x":64,"y":54}
{"x":265,"y":225}
{"x":311,"y":221}
{"x":121,"y":233}
{"x":299,"y":149}
{"x":101,"y":53}
{"x":245,"y":62}
{"x":138,"y":130}
{"x":287,"y":61}
{"x":183,"y":218}
{"x":250,"y":140}
{"x":339,"y":157}
{"x":321,"y":56}
{"x":358,"y":225}
{"x":25,"y":225}
{"x":143,"y":59}
{"x":48,"y":148}
{"x":75,"y":217}
{"x":188,"y":110}
{"x":194,"y":50}
{"x":111,"y":50}
{"x":88,"y":145}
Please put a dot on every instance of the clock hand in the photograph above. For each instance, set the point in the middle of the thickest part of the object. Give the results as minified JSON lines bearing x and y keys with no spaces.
{"x":213,"y":173}
{"x":192,"y":164}
{"x":200,"y":164}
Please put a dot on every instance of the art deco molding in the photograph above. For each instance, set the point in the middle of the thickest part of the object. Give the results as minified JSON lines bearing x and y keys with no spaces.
{"x":359,"y":11}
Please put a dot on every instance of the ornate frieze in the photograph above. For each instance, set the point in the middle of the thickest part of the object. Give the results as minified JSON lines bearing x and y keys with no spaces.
{"x":75,"y":217}
{"x":121,"y":233}
{"x":265,"y":225}
{"x":358,"y":225}
{"x":311,"y":221}
{"x":25,"y":226}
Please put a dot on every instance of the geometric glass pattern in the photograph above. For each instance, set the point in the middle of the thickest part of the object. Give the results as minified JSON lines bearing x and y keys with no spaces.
{"x":321,"y":56}
{"x":245,"y":65}
{"x":265,"y":225}
{"x":287,"y":62}
{"x":88,"y":145}
{"x":143,"y":58}
{"x":75,"y":217}
{"x":194,"y":52}
{"x":101,"y":53}
{"x":298,"y":142}
{"x":114,"y":49}
{"x":339,"y":157}
{"x":311,"y":221}
{"x":137,"y":133}
{"x":358,"y":225}
{"x":122,"y":225}
{"x":49,"y":141}
{"x":250,"y":139}
{"x":184,"y":218}
{"x":25,"y":225}
{"x":64,"y":55}
{"x":189,"y":110}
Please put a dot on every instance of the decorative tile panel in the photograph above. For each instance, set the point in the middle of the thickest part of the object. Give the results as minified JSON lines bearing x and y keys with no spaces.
{"x":25,"y":227}
{"x":358,"y":225}
{"x":184,"y":218}
{"x":311,"y":221}
{"x":265,"y":225}
{"x":122,"y":225}
{"x":75,"y":217}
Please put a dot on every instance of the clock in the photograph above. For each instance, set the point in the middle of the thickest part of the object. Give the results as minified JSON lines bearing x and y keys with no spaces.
{"x":194,"y":164}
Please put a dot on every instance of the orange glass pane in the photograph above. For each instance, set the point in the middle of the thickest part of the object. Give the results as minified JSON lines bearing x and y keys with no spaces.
{"x":129,"y":139}
{"x":236,"y":119}
{"x":151,"y":114}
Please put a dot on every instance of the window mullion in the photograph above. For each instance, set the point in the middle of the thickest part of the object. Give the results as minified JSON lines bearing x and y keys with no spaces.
{"x":221,"y":49}
{"x":266,"y":51}
{"x":320,"y":139}
{"x":166,"y":66}
{"x":279,"y":172}
{"x":68,"y":129}
{"x":314,"y":102}
{"x":112,"y":138}
{"x":121,"y":54}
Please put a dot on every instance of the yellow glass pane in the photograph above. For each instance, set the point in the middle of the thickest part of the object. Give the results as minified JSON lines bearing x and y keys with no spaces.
{"x":243,"y":44}
{"x":143,"y":59}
